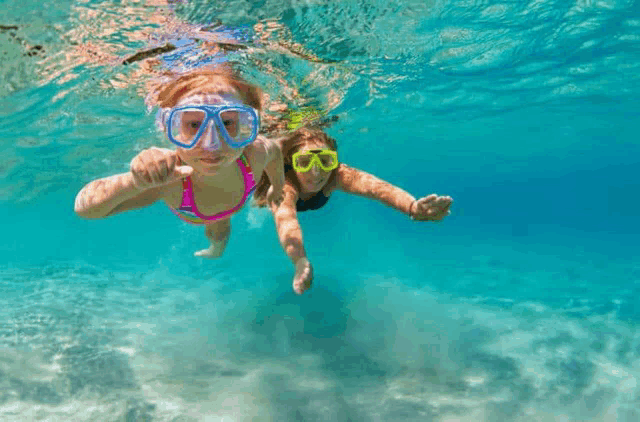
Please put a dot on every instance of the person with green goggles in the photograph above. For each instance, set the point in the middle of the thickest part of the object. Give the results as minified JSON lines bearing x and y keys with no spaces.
{"x":312,"y":172}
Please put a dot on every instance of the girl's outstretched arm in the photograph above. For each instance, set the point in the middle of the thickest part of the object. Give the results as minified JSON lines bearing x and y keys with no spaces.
{"x":287,"y":225}
{"x":358,"y":182}
{"x":110,"y":195}
{"x":151,"y":171}
{"x":428,"y":208}
{"x":290,"y":236}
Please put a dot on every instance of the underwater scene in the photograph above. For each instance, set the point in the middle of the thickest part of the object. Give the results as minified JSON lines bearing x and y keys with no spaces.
{"x":520,"y":304}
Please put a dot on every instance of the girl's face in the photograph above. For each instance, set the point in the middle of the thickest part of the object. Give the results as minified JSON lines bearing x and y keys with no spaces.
{"x":211,"y":152}
{"x":315,"y":179}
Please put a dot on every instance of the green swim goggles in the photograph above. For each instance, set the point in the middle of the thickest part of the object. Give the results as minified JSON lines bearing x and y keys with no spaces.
{"x":326,"y":159}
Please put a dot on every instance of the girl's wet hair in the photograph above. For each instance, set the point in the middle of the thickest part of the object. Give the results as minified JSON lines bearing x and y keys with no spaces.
{"x":291,"y":144}
{"x":165,"y":92}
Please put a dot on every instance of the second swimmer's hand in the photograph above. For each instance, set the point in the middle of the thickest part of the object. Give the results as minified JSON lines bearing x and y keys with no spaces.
{"x":431,"y":208}
{"x":275,"y":196}
{"x":156,"y":167}
{"x":303,"y":276}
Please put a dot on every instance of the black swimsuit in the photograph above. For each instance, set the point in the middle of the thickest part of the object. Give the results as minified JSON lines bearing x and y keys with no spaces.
{"x":317,"y":201}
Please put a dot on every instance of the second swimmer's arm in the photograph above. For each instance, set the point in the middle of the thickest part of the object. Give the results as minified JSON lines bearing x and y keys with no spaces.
{"x":358,"y":182}
{"x":288,"y":227}
{"x":110,"y":195}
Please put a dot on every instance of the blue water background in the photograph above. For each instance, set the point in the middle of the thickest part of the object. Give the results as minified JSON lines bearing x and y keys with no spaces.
{"x":521,"y":306}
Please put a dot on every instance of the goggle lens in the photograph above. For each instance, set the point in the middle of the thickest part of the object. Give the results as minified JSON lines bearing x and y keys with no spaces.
{"x":327,"y":160}
{"x":304,"y":161}
{"x":185,"y":125}
{"x":239,"y":124}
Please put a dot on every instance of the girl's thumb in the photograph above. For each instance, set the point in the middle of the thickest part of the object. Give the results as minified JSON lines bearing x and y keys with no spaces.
{"x":184,"y":171}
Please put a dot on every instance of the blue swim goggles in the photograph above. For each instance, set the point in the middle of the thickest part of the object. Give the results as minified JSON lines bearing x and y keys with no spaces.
{"x":235,"y":124}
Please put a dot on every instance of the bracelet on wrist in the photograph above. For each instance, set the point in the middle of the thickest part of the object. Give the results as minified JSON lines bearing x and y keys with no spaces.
{"x":410,"y":209}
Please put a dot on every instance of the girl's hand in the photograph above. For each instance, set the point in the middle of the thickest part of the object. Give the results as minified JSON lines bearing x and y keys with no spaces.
{"x":275,"y":196}
{"x":431,"y":208}
{"x":304,"y":275}
{"x":156,"y":167}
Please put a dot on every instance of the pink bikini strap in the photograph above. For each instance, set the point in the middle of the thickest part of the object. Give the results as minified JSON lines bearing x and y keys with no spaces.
{"x":187,"y":195}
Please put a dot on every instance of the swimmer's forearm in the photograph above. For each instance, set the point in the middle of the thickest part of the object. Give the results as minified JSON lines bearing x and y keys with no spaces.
{"x":290,"y":236}
{"x":99,"y":198}
{"x":361,"y":183}
{"x":294,"y":249}
{"x":275,"y":167}
{"x":392,"y":196}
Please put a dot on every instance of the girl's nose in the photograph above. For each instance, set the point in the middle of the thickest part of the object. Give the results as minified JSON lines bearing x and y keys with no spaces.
{"x":211,"y":139}
{"x":315,"y":170}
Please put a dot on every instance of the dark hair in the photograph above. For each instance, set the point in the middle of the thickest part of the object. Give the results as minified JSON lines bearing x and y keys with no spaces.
{"x":290,"y":144}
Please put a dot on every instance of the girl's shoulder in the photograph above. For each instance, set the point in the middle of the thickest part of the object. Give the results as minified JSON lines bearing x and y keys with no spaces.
{"x":344,"y":176}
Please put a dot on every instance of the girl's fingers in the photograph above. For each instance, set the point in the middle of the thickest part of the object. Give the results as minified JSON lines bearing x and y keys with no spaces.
{"x":422,"y":206}
{"x":183,"y":171}
{"x":428,"y":199}
{"x":163,"y":170}
{"x":139,"y":181}
{"x":144,"y":167}
{"x":146,"y":179}
{"x":443,"y":204}
{"x":154,"y":172}
{"x":433,"y":207}
{"x":143,"y":174}
{"x":153,"y":166}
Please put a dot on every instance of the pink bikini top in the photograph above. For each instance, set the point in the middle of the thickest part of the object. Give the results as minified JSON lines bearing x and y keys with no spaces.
{"x":188,"y":211}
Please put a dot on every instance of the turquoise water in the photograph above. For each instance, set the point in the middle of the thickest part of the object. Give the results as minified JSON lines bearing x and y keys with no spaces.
{"x":521,"y":306}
